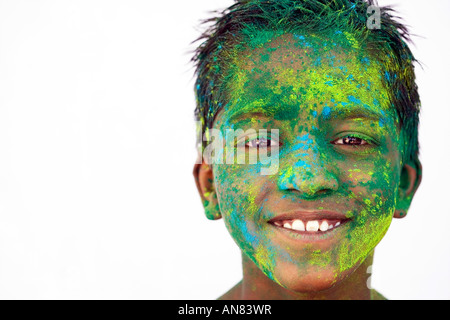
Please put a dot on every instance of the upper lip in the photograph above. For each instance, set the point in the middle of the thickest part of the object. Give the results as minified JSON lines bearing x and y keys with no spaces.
{"x":310,"y":215}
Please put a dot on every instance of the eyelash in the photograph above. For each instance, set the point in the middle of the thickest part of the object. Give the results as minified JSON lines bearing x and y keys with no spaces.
{"x":270,"y":143}
{"x":363,"y":142}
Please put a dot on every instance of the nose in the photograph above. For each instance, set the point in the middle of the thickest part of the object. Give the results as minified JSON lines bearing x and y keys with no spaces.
{"x":307,"y":173}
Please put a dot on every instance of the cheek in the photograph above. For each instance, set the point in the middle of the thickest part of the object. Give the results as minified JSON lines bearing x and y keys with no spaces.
{"x":240,"y":186}
{"x":242,"y":193}
{"x":371,"y":191}
{"x":374,"y":183}
{"x":236,"y":190}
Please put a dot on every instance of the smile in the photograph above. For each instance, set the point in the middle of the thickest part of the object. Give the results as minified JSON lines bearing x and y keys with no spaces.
{"x":308,"y":226}
{"x":312,"y":222}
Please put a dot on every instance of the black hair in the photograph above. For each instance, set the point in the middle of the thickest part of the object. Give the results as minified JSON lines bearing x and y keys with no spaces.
{"x":232,"y":28}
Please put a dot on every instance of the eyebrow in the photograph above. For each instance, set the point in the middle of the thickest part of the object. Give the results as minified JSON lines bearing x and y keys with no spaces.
{"x":328,"y":114}
{"x":283,"y":112}
{"x":260,"y":111}
{"x":238,"y":116}
{"x":354,"y":112}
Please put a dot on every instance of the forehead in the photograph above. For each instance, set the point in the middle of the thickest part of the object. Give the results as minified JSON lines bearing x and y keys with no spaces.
{"x":308,"y":73}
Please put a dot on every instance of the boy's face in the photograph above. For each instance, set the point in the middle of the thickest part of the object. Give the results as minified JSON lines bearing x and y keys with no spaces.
{"x":340,"y":159}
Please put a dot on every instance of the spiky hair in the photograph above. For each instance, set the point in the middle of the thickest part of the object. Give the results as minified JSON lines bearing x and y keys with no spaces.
{"x":234,"y":26}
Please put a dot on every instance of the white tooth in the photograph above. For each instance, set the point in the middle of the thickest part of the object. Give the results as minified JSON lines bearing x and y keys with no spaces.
{"x":287,"y":225}
{"x":312,"y":226}
{"x":337,"y":224}
{"x":298,"y":225}
{"x":324,"y":226}
{"x":330,"y":227}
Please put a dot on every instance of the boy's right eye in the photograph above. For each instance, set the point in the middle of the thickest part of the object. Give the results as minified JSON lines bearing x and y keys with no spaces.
{"x":261,"y":143}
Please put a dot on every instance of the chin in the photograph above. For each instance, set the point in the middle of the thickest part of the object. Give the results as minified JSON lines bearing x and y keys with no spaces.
{"x":313,"y":279}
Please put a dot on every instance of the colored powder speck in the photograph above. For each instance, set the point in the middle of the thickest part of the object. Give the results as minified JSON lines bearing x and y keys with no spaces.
{"x":249,"y":238}
{"x":318,"y":61}
{"x":326,"y":112}
{"x":298,"y":147}
{"x":354,"y":100}
{"x":265,"y":57}
{"x":303,"y":164}
{"x":306,"y":138}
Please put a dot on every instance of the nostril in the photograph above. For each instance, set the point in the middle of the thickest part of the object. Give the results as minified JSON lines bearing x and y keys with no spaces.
{"x":311,"y":190}
{"x":316,"y":181}
{"x":313,"y":193}
{"x":324,"y":191}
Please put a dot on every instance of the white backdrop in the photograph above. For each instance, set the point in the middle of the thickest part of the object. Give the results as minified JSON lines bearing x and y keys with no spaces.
{"x":97,"y":199}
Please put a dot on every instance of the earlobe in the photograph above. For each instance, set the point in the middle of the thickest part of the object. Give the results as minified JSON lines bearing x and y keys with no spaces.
{"x":204,"y":180}
{"x":410,"y":179}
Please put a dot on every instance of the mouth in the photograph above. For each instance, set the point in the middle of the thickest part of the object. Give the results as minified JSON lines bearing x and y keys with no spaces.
{"x":310,"y":222}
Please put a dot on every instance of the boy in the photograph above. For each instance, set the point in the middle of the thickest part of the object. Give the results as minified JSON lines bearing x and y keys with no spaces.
{"x":334,"y":99}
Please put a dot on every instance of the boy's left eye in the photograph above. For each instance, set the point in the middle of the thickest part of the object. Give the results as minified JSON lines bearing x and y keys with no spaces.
{"x":351,"y":141}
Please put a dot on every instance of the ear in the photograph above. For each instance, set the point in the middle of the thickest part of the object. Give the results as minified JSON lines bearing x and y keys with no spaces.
{"x":204,"y":179}
{"x":410,"y":179}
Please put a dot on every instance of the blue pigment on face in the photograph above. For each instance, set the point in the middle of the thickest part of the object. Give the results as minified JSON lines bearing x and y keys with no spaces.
{"x":249,"y":238}
{"x":303,"y":164}
{"x":354,"y":100}
{"x":298,"y":146}
{"x":326,"y":112}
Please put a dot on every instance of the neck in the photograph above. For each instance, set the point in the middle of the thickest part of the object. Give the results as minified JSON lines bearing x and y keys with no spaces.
{"x":257,"y":286}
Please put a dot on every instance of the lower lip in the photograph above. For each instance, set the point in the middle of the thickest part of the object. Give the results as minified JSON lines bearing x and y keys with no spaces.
{"x":305,"y":236}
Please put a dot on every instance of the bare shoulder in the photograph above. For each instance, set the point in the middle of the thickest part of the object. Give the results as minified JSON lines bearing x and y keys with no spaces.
{"x":233,"y":294}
